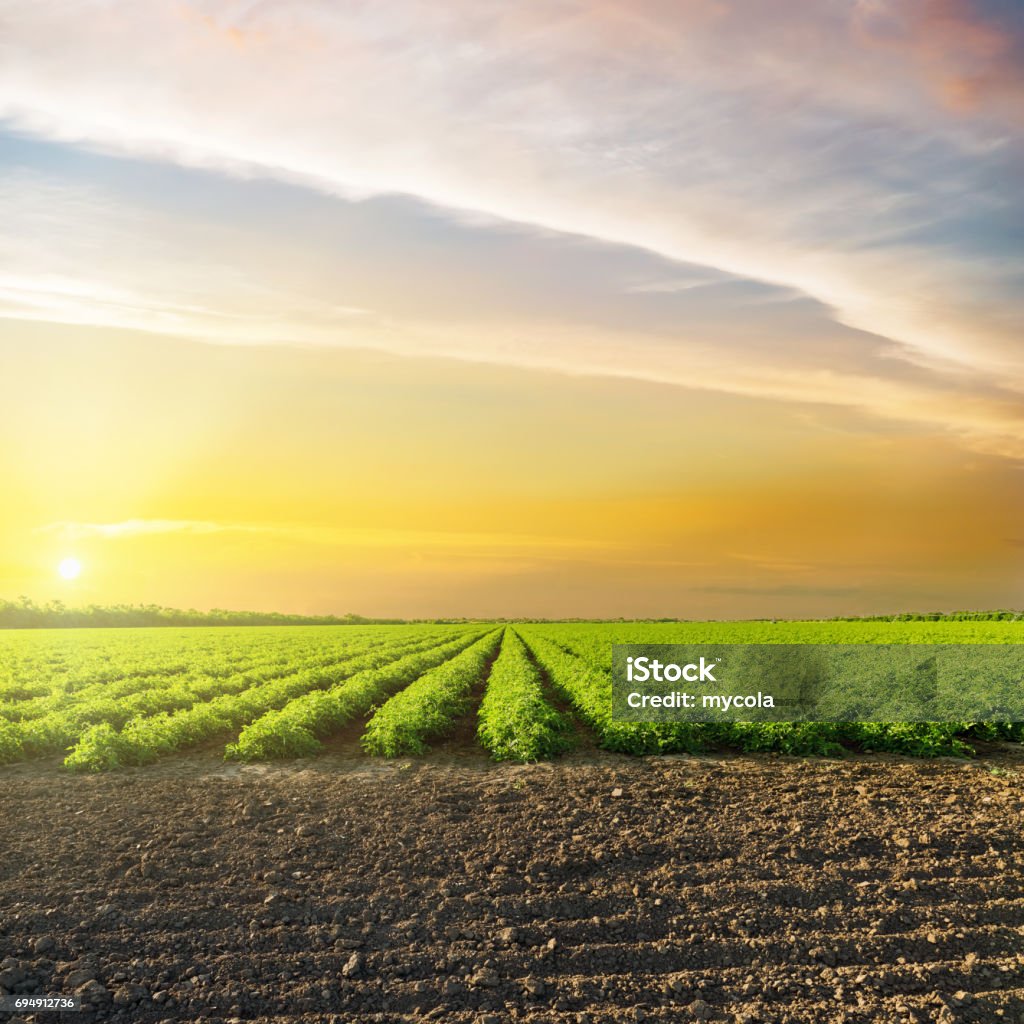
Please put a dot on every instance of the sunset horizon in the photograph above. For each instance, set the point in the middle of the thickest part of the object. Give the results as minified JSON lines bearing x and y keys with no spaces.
{"x":585,"y":310}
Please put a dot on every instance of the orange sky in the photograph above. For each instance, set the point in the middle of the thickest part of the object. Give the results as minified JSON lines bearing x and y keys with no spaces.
{"x":560,"y":309}
{"x":316,"y":481}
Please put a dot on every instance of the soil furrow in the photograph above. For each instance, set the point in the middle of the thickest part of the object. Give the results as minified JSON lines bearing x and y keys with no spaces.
{"x":596,"y":890}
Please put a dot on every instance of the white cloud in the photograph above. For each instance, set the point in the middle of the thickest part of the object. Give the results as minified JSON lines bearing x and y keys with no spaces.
{"x":827,"y":157}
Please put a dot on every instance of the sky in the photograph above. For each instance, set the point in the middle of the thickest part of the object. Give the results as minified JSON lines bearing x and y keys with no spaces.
{"x":701,"y":308}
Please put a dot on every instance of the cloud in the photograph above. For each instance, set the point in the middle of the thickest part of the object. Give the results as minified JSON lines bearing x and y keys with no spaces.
{"x":143,"y":527}
{"x":971,"y":62}
{"x":467,"y":543}
{"x":494,"y":294}
{"x":863,"y":155}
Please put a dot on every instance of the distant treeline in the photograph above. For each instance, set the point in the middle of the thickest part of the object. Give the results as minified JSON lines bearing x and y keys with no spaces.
{"x":26,"y":614}
{"x":999,"y":615}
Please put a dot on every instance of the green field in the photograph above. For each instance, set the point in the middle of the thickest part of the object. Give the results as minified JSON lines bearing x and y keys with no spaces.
{"x":103,"y":698}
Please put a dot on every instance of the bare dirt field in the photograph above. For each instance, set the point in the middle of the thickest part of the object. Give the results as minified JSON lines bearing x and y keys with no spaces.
{"x":594,"y":889}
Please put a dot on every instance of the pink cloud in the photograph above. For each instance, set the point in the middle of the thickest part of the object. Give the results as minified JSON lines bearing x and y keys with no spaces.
{"x":969,"y":62}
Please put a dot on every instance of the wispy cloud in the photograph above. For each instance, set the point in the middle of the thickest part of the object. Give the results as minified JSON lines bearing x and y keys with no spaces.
{"x":862,"y":155}
{"x":973,"y":63}
{"x":144,"y":527}
{"x":361,"y":537}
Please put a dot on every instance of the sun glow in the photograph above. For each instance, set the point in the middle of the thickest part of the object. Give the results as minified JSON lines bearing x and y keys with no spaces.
{"x":69,"y":569}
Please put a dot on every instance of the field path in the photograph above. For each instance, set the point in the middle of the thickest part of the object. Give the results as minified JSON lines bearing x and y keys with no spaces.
{"x":591,"y":890}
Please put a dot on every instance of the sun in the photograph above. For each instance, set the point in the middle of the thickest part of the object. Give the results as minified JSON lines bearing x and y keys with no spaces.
{"x":70,"y":569}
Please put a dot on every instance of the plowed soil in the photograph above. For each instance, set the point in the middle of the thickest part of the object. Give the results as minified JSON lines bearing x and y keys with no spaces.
{"x":596,"y":889}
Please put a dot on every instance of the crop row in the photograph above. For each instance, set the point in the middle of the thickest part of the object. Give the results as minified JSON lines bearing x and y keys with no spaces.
{"x":577,"y":664}
{"x":146,"y":738}
{"x":65,"y":660}
{"x":295,"y":730}
{"x":56,"y":663}
{"x":589,"y":690}
{"x":516,"y":720}
{"x":67,"y":723}
{"x":429,"y":706}
{"x":139,"y":690}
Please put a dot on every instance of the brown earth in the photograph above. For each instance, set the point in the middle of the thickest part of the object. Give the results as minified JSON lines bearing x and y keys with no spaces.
{"x":596,"y":889}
